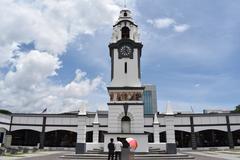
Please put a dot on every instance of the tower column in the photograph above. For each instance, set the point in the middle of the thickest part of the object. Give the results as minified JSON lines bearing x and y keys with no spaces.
{"x":81,"y":133}
{"x":96,"y":125}
{"x":156,"y":129}
{"x":170,"y":131}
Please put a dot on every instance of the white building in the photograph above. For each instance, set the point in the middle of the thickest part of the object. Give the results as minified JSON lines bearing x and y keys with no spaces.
{"x":86,"y":131}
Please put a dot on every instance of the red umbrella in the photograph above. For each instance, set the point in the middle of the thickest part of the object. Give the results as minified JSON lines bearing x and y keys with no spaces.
{"x":133,"y":143}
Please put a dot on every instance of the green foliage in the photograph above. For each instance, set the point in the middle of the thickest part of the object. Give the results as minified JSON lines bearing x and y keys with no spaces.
{"x":3,"y":111}
{"x":237,"y":109}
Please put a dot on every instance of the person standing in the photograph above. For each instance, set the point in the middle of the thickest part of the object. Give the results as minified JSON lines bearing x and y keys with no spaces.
{"x":111,"y":149}
{"x":118,"y":149}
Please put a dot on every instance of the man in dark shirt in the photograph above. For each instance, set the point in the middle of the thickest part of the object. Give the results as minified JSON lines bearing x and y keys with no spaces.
{"x":111,"y":149}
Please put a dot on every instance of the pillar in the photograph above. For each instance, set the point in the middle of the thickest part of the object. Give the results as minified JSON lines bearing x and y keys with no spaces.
{"x":81,"y":133}
{"x":42,"y":134}
{"x":96,"y":129}
{"x":170,"y":131}
{"x":156,"y":129}
{"x":193,"y":135}
{"x":230,"y":136}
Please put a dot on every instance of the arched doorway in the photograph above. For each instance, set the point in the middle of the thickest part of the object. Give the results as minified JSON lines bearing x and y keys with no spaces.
{"x":236,"y":137}
{"x":212,"y":138}
{"x":126,"y":124}
{"x":25,"y":137}
{"x":183,"y":139}
{"x":60,"y":138}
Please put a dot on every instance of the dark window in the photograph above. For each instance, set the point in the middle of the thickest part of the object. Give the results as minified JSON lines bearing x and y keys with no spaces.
{"x":212,"y":138}
{"x":125,"y":68}
{"x":25,"y":137}
{"x":125,"y":14}
{"x":183,"y":139}
{"x":150,"y":137}
{"x":1,"y":137}
{"x":101,"y":136}
{"x":60,"y":138}
{"x":89,"y":136}
{"x":125,"y":32}
{"x":163,"y":137}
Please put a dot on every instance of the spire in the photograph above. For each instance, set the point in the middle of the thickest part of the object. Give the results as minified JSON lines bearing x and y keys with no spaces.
{"x":155,"y":121}
{"x":96,"y":119}
{"x":169,"y":110}
{"x":125,"y":4}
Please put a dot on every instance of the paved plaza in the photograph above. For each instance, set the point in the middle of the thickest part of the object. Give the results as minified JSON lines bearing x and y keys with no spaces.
{"x":199,"y":155}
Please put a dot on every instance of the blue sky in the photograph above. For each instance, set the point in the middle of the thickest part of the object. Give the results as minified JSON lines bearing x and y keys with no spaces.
{"x":191,"y":53}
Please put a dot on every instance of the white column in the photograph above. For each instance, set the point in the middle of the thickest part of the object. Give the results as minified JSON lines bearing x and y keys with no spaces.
{"x":96,"y":129}
{"x":170,"y":131}
{"x":156,"y":129}
{"x":81,"y":132}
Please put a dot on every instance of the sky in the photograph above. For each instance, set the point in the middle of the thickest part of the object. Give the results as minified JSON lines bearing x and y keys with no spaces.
{"x":54,"y":54}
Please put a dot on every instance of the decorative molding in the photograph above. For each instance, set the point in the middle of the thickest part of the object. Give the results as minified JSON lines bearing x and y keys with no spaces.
{"x":126,"y":88}
{"x":129,"y":103}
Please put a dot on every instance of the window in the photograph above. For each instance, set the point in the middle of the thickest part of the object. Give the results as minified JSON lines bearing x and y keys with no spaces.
{"x":125,"y":14}
{"x":125,"y":67}
{"x":125,"y":32}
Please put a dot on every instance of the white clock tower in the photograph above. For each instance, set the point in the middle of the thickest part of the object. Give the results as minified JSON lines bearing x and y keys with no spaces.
{"x":126,"y":112}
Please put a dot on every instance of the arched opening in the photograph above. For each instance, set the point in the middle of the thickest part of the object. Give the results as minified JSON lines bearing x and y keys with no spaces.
{"x":101,"y":136}
{"x":89,"y":136}
{"x":25,"y":137}
{"x":126,"y":124}
{"x":150,"y":137}
{"x":212,"y":138}
{"x":163,"y":137}
{"x":125,"y":32}
{"x":60,"y":138}
{"x":183,"y":139}
{"x":236,"y":137}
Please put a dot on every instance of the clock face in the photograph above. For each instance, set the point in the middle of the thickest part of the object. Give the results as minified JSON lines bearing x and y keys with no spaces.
{"x":125,"y":50}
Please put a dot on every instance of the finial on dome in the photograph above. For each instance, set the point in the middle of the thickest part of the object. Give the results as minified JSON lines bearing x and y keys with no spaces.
{"x":125,"y":4}
{"x":96,"y":119}
{"x":155,"y":119}
{"x":169,"y":110}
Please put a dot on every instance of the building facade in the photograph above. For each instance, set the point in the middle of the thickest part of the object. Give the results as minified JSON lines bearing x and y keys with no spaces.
{"x":150,"y":99}
{"x":132,"y":112}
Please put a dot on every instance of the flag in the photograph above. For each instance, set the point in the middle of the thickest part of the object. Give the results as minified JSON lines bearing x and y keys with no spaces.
{"x":45,"y":110}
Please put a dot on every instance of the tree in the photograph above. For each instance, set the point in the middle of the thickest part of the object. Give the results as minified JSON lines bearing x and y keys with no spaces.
{"x":237,"y":109}
{"x":3,"y":111}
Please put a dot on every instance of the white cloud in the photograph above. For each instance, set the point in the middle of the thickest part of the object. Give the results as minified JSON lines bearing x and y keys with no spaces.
{"x":51,"y":25}
{"x":32,"y":69}
{"x":162,"y":22}
{"x":26,"y":86}
{"x":181,"y":28}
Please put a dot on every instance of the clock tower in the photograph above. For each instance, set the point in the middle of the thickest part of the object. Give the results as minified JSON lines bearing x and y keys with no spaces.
{"x":126,"y":112}
{"x":125,"y":52}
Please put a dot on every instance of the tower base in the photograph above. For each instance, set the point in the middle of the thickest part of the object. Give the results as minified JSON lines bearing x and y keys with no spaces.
{"x":142,"y":139}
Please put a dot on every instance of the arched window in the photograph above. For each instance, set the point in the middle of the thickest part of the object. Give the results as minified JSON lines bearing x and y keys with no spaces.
{"x":125,"y":14}
{"x":125,"y":32}
{"x":126,"y":124}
